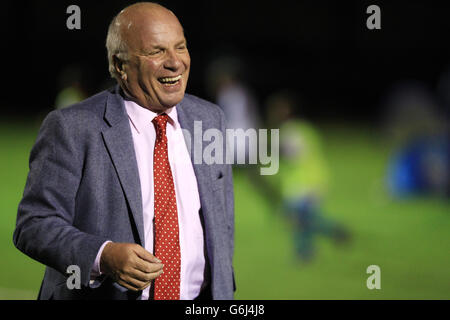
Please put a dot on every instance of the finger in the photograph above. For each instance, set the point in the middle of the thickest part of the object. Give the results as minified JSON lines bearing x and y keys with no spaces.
{"x":145,"y":277}
{"x":126,"y":285}
{"x":132,"y":284}
{"x":145,"y":255}
{"x":143,"y":288}
{"x":147,"y":267}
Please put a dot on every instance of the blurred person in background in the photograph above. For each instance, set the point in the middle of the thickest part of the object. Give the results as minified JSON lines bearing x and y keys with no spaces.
{"x":303,"y":176}
{"x":71,"y":87}
{"x":443,"y":91}
{"x":226,"y":85}
{"x":112,"y":188}
{"x":418,"y":132}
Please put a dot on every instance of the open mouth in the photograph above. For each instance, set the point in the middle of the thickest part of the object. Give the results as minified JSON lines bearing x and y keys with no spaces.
{"x":170,"y":80}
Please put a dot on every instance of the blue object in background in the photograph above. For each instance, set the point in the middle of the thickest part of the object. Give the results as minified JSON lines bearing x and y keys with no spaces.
{"x":421,"y":167}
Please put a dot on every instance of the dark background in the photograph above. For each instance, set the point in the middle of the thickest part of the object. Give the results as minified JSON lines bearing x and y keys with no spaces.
{"x":348,"y":78}
{"x":320,"y":49}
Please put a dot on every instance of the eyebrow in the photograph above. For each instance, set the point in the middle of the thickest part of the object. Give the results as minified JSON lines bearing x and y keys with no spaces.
{"x":176,"y":44}
{"x":184,"y":41}
{"x":158,"y":46}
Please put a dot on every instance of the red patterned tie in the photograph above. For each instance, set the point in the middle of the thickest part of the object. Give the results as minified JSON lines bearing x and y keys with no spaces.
{"x":167,"y":245}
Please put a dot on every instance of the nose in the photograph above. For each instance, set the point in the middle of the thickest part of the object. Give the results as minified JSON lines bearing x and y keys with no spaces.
{"x":173,"y":61}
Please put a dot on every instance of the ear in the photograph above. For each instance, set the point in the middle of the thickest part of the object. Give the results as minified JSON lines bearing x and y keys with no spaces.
{"x":118,"y":65}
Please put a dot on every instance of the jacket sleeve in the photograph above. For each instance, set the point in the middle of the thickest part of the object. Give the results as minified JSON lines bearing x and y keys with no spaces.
{"x":229,"y":195}
{"x":44,"y":228}
{"x":228,"y":176}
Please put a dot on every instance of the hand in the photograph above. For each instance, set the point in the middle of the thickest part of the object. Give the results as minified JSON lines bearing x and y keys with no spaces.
{"x":130,"y":265}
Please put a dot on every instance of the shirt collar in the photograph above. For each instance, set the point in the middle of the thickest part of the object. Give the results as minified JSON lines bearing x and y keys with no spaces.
{"x":142,"y":117}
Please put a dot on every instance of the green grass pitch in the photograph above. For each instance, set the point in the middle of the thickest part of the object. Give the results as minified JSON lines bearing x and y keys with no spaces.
{"x":408,"y":239}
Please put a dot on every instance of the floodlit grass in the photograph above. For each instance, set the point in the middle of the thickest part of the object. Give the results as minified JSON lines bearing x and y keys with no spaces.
{"x":408,"y":239}
{"x":20,"y":276}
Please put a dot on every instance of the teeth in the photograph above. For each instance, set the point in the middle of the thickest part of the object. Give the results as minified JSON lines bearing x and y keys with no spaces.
{"x":170,"y":79}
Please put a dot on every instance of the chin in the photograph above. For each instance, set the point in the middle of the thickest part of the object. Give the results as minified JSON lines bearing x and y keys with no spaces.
{"x":169,"y":103}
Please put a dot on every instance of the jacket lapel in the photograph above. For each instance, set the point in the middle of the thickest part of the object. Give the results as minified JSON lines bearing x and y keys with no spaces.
{"x":119,"y":142}
{"x":202,"y":171}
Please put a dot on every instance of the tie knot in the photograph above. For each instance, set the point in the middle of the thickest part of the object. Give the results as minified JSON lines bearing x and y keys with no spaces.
{"x":160,"y":123}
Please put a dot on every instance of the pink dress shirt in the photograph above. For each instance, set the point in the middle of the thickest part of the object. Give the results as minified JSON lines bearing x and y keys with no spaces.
{"x":188,"y":200}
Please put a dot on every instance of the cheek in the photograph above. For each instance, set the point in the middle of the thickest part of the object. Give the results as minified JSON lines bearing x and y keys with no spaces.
{"x":149,"y":70}
{"x":187,"y":60}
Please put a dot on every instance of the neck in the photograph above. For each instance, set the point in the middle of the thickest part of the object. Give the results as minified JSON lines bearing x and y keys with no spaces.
{"x":141,"y":102}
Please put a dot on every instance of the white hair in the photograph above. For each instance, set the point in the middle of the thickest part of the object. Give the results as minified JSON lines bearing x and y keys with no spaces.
{"x":115,"y":45}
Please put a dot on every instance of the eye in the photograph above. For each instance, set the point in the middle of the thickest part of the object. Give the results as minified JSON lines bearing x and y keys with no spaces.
{"x":155,"y":52}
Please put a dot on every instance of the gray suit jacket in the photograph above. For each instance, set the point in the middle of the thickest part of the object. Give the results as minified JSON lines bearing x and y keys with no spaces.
{"x":83,"y":188}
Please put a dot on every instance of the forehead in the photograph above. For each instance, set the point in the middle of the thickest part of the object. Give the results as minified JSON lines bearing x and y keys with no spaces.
{"x":148,"y":29}
{"x":161,"y":32}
